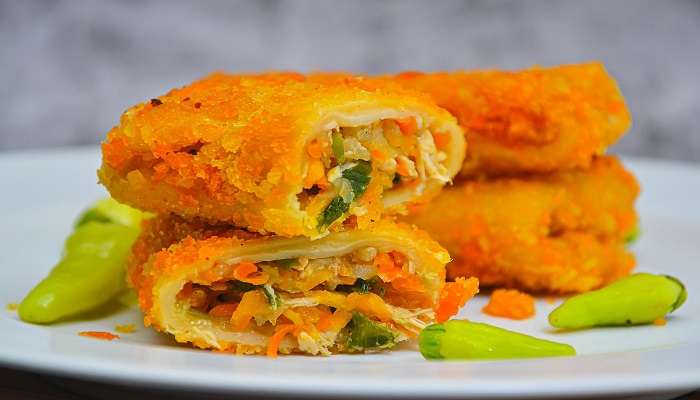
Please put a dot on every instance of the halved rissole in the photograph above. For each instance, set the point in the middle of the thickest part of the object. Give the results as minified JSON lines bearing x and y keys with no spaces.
{"x":533,"y":120}
{"x":281,"y":153}
{"x":560,"y":232}
{"x":222,"y":288}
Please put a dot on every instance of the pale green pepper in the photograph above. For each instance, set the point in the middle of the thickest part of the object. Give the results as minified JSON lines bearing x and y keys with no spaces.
{"x":91,"y":271}
{"x":637,"y":299}
{"x":109,"y":210}
{"x":466,"y":340}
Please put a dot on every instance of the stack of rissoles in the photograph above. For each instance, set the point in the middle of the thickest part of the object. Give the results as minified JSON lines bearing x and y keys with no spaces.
{"x":274,"y":195}
{"x":277,"y":198}
{"x":537,"y":205}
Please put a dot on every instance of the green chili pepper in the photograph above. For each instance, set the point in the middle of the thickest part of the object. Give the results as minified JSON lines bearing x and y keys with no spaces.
{"x":637,"y":299}
{"x":338,"y":147}
{"x":90,"y":273}
{"x":109,"y":210}
{"x":465,"y":340}
{"x":366,"y":334}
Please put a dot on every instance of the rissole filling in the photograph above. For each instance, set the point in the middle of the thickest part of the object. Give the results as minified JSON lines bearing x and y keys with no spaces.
{"x":392,"y":153}
{"x":364,"y":300}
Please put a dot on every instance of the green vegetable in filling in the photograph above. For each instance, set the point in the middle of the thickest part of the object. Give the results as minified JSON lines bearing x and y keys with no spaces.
{"x":338,"y":147}
{"x":334,"y":210}
{"x":373,"y":285}
{"x":359,"y":179}
{"x":272,"y":297}
{"x":287,"y":262}
{"x":366,"y":334}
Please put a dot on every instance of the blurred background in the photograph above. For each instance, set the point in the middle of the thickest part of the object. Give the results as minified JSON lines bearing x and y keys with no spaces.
{"x":69,"y":68}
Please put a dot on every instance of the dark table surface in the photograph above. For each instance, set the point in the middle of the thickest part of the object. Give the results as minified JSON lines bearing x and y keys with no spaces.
{"x":21,"y":385}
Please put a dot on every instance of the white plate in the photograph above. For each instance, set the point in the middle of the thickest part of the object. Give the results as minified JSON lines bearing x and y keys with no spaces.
{"x":42,"y":192}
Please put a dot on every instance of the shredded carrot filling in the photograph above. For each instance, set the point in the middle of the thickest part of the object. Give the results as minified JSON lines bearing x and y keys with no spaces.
{"x":99,"y":335}
{"x":402,"y":168}
{"x":659,"y":322}
{"x":225,"y":310}
{"x":410,"y":283}
{"x":248,"y":272}
{"x":442,"y":140}
{"x":315,"y":149}
{"x":378,"y":155}
{"x":369,"y":304}
{"x":251,"y":303}
{"x":274,"y":343}
{"x":407,"y":126}
{"x":387,"y":269}
{"x":511,"y":304}
{"x":455,"y":295}
{"x":316,"y":175}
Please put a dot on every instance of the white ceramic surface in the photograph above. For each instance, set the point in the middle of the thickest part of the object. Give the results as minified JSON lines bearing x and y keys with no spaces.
{"x":42,"y":192}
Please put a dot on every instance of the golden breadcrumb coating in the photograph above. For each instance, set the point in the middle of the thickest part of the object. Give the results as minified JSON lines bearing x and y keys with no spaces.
{"x":535,"y":120}
{"x":172,"y":254}
{"x":560,"y":232}
{"x":234,"y":148}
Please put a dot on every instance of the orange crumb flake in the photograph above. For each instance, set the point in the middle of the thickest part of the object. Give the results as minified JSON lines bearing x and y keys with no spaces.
{"x":99,"y":335}
{"x":126,"y":328}
{"x":12,"y":306}
{"x":511,"y":304}
{"x":455,"y":295}
{"x":660,"y":322}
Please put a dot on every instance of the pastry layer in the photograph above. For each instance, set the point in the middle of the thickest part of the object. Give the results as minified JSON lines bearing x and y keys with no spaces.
{"x":559,"y":232}
{"x":226,"y":289}
{"x":534,"y":120}
{"x":279,"y":153}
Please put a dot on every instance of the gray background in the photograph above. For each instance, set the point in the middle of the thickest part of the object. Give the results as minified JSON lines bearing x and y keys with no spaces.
{"x":69,"y":68}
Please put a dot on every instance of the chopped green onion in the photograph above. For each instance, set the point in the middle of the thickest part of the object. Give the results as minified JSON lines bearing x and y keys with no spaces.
{"x":338,"y":147}
{"x":367,"y":334}
{"x":273,"y":298}
{"x":287,"y":262}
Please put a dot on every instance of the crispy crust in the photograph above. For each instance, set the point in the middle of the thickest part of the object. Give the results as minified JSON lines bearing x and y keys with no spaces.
{"x":172,"y":250}
{"x":561,"y":232}
{"x":535,"y":120}
{"x":232,"y":147}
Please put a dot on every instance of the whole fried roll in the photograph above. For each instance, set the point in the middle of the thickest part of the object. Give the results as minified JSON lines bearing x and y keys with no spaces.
{"x":279,"y":153}
{"x":561,"y":232}
{"x":221,"y":288}
{"x":535,"y":120}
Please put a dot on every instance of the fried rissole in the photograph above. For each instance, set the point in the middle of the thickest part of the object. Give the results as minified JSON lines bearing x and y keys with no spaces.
{"x":278,"y":153}
{"x":560,"y":232}
{"x":223,"y":288}
{"x":534,"y":120}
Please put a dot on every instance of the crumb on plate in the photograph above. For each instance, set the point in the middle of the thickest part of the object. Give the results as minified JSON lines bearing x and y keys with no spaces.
{"x":99,"y":335}
{"x":510,"y":303}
